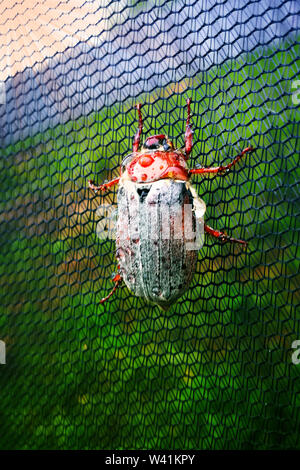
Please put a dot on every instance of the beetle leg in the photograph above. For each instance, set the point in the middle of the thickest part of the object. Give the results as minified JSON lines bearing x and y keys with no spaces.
{"x":221,"y":170}
{"x":103,"y":187}
{"x":117,"y":280}
{"x":222,"y":236}
{"x":188,"y":137}
{"x":137,"y":137}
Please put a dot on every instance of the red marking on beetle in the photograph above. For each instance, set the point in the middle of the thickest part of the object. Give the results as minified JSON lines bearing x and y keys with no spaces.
{"x":144,"y":177}
{"x":146,"y":160}
{"x":176,"y":171}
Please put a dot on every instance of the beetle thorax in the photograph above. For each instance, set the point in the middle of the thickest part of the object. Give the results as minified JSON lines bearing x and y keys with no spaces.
{"x":152,"y":165}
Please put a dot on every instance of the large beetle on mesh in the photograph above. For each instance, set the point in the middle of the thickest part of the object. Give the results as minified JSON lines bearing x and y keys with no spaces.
{"x":154,"y":192}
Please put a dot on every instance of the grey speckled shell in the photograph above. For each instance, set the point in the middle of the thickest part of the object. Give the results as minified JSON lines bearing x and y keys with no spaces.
{"x":154,"y":260}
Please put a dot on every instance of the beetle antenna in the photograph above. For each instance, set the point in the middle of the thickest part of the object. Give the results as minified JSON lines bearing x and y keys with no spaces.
{"x":137,"y":137}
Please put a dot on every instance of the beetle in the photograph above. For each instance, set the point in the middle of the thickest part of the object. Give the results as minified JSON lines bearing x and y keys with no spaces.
{"x":154,"y":190}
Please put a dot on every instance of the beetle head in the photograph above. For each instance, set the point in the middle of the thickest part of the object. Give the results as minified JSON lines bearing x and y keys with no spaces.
{"x":158,"y":142}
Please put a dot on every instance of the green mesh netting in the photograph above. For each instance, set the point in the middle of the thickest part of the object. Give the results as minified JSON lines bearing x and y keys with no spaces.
{"x":216,"y":370}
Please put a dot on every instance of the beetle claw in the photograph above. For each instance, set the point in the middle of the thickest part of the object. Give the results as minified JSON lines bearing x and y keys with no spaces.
{"x":224,"y":238}
{"x":93,"y":187}
{"x":223,"y":171}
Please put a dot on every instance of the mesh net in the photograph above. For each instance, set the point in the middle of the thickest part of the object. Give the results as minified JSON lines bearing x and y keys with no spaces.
{"x":216,"y":370}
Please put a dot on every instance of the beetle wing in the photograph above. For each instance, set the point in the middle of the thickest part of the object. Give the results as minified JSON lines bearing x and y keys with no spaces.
{"x":152,"y":244}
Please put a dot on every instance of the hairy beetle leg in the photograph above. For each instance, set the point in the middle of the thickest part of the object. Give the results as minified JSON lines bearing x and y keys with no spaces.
{"x":222,"y":236}
{"x":103,"y":187}
{"x":221,"y":170}
{"x":117,"y":280}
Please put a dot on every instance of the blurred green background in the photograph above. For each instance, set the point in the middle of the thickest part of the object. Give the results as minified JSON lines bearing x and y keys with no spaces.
{"x":215,"y":371}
